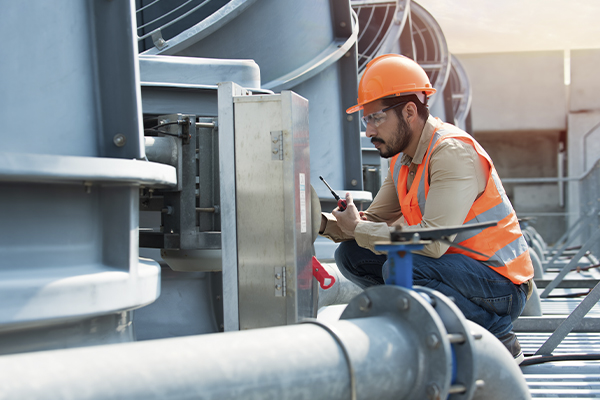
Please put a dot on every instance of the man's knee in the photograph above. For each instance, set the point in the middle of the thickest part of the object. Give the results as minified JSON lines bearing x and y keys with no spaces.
{"x":355,"y":262}
{"x":345,"y":250}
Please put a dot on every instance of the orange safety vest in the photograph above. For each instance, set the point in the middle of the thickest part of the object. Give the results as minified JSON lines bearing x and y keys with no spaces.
{"x":508,"y":250}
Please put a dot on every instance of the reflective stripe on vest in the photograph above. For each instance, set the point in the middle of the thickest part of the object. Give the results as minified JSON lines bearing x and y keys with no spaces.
{"x":505,"y":244}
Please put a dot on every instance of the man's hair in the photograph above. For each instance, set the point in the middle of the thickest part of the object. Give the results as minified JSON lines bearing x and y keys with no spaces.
{"x":422,"y":109}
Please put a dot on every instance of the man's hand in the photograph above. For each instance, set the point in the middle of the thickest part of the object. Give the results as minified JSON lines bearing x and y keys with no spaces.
{"x":348,"y":219}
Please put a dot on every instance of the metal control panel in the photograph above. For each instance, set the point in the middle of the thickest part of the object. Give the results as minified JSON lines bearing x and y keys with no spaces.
{"x":269,"y":226}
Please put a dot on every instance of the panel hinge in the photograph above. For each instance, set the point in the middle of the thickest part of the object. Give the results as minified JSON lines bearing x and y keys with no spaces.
{"x":277,"y":145}
{"x":280,"y":284}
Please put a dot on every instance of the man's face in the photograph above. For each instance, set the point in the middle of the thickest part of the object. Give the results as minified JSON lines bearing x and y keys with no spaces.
{"x":390,"y":137}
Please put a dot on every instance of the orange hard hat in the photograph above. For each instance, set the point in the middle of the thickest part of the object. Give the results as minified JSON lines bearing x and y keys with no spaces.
{"x":391,"y":75}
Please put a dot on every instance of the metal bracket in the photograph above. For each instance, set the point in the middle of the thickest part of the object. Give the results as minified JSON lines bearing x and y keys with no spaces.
{"x":158,"y":40}
{"x":280,"y":284}
{"x":277,"y":145}
{"x":186,"y":128}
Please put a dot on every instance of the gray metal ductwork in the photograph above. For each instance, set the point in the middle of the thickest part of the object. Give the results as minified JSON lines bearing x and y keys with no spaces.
{"x":306,"y":46}
{"x":392,"y":343}
{"x":497,"y":368}
{"x":69,"y":266}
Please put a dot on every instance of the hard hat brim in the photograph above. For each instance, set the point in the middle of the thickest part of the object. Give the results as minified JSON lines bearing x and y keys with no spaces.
{"x":428,"y":92}
{"x":354,"y":109}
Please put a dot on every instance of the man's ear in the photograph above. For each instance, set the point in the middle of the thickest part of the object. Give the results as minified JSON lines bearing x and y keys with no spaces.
{"x":410,"y":111}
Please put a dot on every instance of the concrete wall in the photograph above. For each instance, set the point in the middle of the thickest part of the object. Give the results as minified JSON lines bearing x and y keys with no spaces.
{"x":517,"y":91}
{"x":585,"y":80}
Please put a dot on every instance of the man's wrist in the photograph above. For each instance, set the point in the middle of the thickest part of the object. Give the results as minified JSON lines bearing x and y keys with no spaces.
{"x":323,"y":224}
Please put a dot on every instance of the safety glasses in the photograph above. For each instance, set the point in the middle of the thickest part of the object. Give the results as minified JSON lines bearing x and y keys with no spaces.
{"x":379,"y":117}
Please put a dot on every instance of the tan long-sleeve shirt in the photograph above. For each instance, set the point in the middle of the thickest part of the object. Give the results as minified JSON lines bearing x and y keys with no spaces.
{"x":457,"y":177}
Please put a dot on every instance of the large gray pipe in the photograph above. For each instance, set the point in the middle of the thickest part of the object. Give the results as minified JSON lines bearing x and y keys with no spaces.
{"x":161,"y":149}
{"x":498,"y":370}
{"x":293,"y":362}
{"x":398,"y":349}
{"x":341,"y":292}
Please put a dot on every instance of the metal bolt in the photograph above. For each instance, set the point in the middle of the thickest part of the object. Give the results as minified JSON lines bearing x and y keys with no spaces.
{"x":476,"y":336}
{"x":354,"y":182}
{"x":347,"y":54}
{"x":349,"y":118}
{"x":433,"y":391}
{"x":456,"y":338}
{"x":433,"y":341}
{"x":278,"y":287}
{"x":277,"y":276}
{"x":364,"y":303}
{"x":275,"y":151}
{"x":403,"y":304}
{"x":119,"y":140}
{"x":343,"y":24}
{"x":415,"y":238}
{"x":458,"y":388}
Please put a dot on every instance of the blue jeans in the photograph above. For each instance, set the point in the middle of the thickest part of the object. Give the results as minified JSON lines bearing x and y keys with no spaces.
{"x":484,"y":296}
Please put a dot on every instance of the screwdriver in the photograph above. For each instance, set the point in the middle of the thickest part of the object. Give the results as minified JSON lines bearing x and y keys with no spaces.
{"x":340,"y":202}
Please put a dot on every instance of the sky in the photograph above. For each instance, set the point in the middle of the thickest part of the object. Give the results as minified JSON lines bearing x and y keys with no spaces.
{"x":484,"y":26}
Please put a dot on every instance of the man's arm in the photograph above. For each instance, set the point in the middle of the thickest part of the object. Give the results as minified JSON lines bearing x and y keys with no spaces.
{"x":384,"y":208}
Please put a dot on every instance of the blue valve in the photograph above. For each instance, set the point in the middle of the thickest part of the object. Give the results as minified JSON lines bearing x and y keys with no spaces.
{"x":400,"y":262}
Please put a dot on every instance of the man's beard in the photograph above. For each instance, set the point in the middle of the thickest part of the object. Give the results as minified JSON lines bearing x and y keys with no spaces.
{"x":398,"y":143}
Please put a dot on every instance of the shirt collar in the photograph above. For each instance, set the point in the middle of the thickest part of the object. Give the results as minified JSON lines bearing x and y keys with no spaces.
{"x":426,"y":134}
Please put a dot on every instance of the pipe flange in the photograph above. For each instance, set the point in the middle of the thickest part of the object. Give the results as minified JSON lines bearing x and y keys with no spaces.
{"x":462,"y":341}
{"x":426,"y":329}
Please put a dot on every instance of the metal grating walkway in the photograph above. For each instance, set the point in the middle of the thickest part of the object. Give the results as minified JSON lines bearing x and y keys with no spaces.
{"x":562,"y":306}
{"x":580,"y":343}
{"x":565,"y":379}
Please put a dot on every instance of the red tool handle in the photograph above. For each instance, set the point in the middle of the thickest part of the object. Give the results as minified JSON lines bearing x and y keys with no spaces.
{"x":321,"y":274}
{"x":342,"y":204}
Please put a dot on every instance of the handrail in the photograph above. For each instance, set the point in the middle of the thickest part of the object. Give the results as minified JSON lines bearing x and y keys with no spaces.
{"x":203,"y":28}
{"x":170,"y":22}
{"x":553,"y":180}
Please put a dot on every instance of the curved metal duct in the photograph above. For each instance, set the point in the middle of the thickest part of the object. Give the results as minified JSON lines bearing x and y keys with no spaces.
{"x":162,"y":20}
{"x":381,"y":23}
{"x":409,"y":30}
{"x":426,"y":45}
{"x":460,"y":88}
